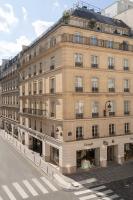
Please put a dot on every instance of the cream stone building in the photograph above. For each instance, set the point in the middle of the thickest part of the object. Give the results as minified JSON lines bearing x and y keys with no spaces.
{"x":9,"y":96}
{"x":76,"y":89}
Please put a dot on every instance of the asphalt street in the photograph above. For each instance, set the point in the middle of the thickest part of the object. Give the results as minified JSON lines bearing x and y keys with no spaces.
{"x":19,"y":179}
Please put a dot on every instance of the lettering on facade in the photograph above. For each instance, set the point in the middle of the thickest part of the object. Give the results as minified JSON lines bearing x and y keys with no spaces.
{"x":88,"y":144}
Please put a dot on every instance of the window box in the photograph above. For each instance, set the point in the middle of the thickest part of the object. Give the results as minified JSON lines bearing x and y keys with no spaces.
{"x":78,"y":64}
{"x":111,"y":113}
{"x":111,"y":89}
{"x":111,"y":67}
{"x":94,"y":65}
{"x":95,"y":115}
{"x":95,"y":89}
{"x":79,"y":89}
{"x":79,"y":115}
{"x":126,"y":89}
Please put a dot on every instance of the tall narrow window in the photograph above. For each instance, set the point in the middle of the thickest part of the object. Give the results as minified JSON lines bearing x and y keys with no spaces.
{"x":79,"y":110}
{"x":125,"y":64}
{"x":94,"y":61}
{"x":52,"y":65}
{"x":77,"y":38}
{"x":78,"y":60}
{"x":79,"y":133}
{"x":126,"y":108}
{"x":94,"y":82}
{"x":111,"y":85}
{"x":111,"y":129}
{"x":78,"y":84}
{"x":126,"y":128}
{"x":95,"y":109}
{"x":95,"y":131}
{"x":111,"y":63}
{"x":52,"y":85}
{"x":126,"y":85}
{"x":112,"y":108}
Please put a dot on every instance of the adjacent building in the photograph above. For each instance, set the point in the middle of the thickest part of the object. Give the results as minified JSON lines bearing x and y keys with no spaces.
{"x":76,"y":92}
{"x":122,"y":10}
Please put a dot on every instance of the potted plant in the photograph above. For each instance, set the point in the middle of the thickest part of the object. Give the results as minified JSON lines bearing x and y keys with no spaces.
{"x":66,"y":17}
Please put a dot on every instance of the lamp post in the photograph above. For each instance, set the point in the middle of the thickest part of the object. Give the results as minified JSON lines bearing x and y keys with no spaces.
{"x":107,"y":107}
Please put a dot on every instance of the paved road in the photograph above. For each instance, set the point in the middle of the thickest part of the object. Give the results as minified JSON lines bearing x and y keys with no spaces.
{"x":19,"y":179}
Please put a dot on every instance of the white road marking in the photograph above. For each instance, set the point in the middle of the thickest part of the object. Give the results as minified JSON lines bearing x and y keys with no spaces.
{"x":111,"y":197}
{"x":30,"y":188}
{"x":40,"y":186}
{"x":1,"y":198}
{"x":88,"y":197}
{"x":8,"y":192}
{"x":104,"y":192}
{"x":89,"y":190}
{"x":20,"y":191}
{"x":51,"y":186}
{"x":90,"y":180}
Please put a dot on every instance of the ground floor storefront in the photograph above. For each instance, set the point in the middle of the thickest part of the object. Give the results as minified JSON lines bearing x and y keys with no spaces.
{"x":70,"y":157}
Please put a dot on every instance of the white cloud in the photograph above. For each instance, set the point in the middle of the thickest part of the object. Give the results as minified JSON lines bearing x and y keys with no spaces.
{"x":7,"y":18}
{"x":41,"y":26}
{"x":56,"y":4}
{"x":9,"y":49}
{"x":25,"y":13}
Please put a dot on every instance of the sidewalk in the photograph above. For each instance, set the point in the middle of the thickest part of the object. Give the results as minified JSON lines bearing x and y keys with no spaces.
{"x":105,"y":175}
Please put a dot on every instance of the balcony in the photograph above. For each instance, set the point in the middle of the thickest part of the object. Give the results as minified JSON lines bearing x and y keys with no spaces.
{"x":52,"y":90}
{"x":112,"y":133}
{"x":78,"y":64}
{"x":95,"y":89}
{"x":79,"y":137}
{"x":111,"y":89}
{"x":126,"y":89}
{"x":126,"y":68}
{"x":95,"y":115}
{"x":40,"y":91}
{"x":31,"y":111}
{"x":111,"y":113}
{"x":78,"y":89}
{"x":52,"y":67}
{"x":126,"y":113}
{"x":52,"y":114}
{"x":111,"y":66}
{"x":79,"y":115}
{"x":66,"y":37}
{"x":94,"y":65}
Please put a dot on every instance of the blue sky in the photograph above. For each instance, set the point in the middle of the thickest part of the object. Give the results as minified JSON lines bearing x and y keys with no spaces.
{"x":21,"y":21}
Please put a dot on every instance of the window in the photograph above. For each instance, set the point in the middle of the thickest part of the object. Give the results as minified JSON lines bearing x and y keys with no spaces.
{"x":29,"y":72}
{"x":95,"y":109}
{"x":112,"y":108}
{"x":111,"y":129}
{"x":126,"y":85}
{"x":111,"y":85}
{"x":93,"y":40}
{"x":41,"y":126}
{"x":111,"y":63}
{"x":79,"y":110}
{"x":52,"y":85}
{"x":52,"y":65}
{"x":125,"y":64}
{"x":94,"y":82}
{"x":35,"y":87}
{"x":34,"y":70}
{"x":23,"y":75}
{"x":78,"y":84}
{"x":79,"y":133}
{"x":29,"y":88}
{"x":40,"y":87}
{"x":40,"y":69}
{"x":94,"y":61}
{"x":109,"y":44}
{"x":52,"y":109}
{"x":78,"y":60}
{"x":95,"y":131}
{"x":77,"y":38}
{"x":126,"y":128}
{"x":126,"y":108}
{"x":23,"y":90}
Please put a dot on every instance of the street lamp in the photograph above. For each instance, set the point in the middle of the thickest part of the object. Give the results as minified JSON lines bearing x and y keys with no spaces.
{"x":107,"y":107}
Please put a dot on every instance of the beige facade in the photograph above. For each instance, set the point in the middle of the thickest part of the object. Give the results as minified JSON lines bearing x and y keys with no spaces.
{"x":76,"y":93}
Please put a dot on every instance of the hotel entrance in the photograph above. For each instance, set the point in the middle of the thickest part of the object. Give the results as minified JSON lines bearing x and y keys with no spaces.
{"x":87,"y":159}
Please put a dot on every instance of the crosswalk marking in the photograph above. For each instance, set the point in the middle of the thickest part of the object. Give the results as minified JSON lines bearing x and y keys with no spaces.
{"x":111,"y":197}
{"x":30,"y":188}
{"x":90,"y":180}
{"x":51,"y":186}
{"x":20,"y":191}
{"x":1,"y":198}
{"x":89,"y":190}
{"x":88,"y":197}
{"x":8,"y":192}
{"x":104,"y":192}
{"x":40,"y":186}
